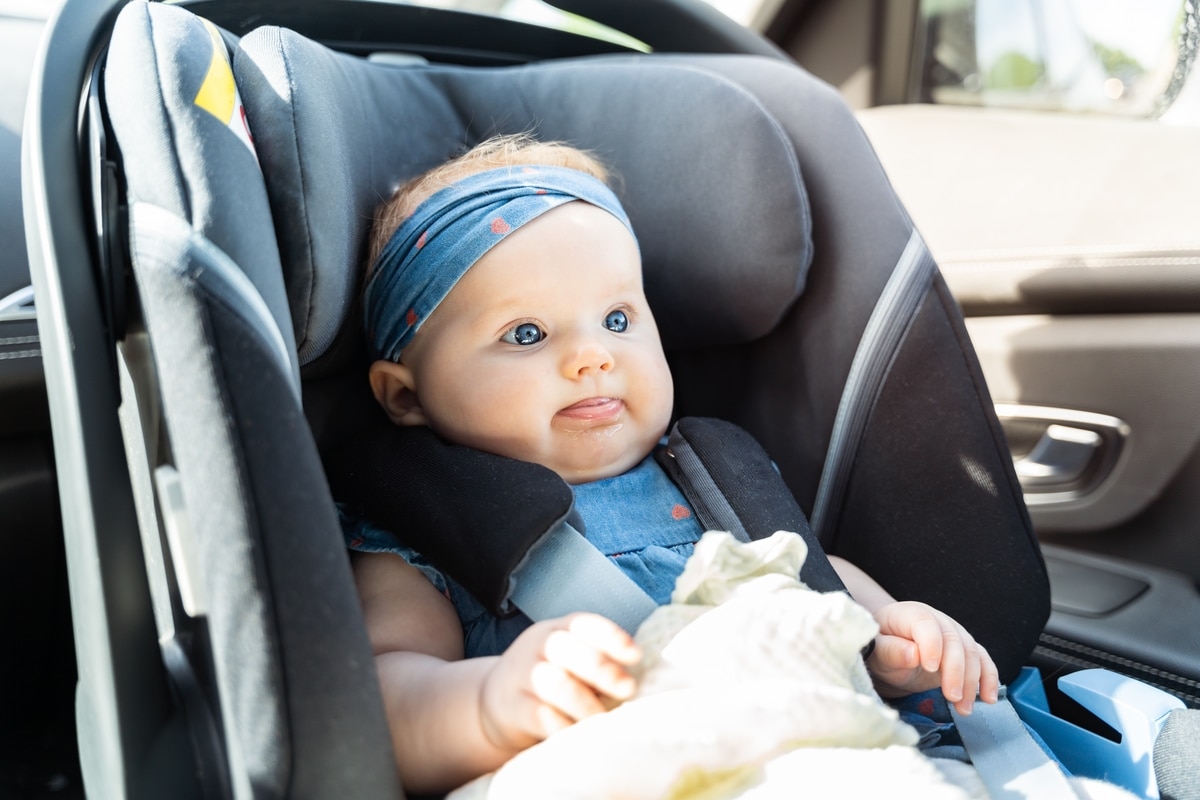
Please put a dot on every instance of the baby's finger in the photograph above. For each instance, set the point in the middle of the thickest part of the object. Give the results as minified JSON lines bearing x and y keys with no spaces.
{"x":927,"y":630}
{"x":953,"y":663}
{"x":606,"y":636}
{"x":989,"y":677}
{"x":577,"y":656}
{"x":555,"y":687}
{"x":969,"y":687}
{"x":895,"y":653}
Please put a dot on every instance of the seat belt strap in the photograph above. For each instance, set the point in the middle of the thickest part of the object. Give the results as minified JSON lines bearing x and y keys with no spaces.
{"x":1011,"y":764}
{"x":894,"y":311}
{"x":697,"y":484}
{"x":563,"y":573}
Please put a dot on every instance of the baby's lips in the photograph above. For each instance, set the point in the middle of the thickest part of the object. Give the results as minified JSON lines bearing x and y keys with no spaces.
{"x":594,"y":408}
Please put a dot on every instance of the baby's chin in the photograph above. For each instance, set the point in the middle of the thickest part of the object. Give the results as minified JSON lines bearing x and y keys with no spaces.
{"x":598,"y":470}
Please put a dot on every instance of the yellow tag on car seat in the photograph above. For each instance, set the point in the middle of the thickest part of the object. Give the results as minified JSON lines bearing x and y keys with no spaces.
{"x":218,"y":93}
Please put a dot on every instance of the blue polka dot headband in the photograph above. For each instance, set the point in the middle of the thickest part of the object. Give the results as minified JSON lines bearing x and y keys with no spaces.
{"x":450,"y":231}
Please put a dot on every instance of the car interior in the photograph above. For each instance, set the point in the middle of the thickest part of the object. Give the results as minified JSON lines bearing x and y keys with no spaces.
{"x":38,"y":738}
{"x":986,"y":404}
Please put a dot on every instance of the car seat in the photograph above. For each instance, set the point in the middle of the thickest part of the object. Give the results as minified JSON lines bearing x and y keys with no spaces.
{"x":214,"y":316}
{"x":759,"y":316}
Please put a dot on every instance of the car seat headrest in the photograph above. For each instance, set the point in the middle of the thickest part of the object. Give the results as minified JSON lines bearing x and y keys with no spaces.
{"x":179,"y":119}
{"x":707,"y":176}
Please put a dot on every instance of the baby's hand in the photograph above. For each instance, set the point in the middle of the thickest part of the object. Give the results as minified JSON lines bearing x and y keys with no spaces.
{"x":920,"y":648}
{"x":556,"y":673}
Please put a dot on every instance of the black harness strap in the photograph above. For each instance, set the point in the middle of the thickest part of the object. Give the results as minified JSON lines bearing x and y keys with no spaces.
{"x":734,"y":486}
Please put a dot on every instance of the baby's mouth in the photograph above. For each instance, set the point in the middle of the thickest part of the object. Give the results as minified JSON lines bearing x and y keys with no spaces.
{"x":594,"y":409}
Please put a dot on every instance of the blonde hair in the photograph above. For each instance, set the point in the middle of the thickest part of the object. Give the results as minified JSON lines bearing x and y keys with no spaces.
{"x":501,"y":151}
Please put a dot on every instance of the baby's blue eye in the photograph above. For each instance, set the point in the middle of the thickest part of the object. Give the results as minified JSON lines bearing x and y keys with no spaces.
{"x":524,"y":334}
{"x":616,"y":321}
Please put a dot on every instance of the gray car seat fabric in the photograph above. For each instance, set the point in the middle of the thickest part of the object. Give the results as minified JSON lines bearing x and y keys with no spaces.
{"x":768,"y":232}
{"x":186,"y":161}
{"x":274,"y":634}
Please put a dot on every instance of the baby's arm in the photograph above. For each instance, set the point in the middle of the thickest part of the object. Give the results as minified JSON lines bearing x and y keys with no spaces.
{"x":919,"y":647}
{"x":453,"y":719}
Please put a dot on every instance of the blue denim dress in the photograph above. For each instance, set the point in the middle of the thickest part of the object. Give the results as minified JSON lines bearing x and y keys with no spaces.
{"x":640,"y":519}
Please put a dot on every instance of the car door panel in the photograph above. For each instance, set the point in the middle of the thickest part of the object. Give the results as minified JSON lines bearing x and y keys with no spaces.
{"x":38,"y":671}
{"x":1070,"y":243}
{"x":1117,"y":614}
{"x":1142,"y":369}
{"x":23,"y":407}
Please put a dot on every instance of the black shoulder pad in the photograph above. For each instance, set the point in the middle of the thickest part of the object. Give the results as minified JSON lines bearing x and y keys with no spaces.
{"x":473,"y":514}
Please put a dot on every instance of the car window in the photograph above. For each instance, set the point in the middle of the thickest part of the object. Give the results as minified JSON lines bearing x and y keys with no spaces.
{"x":1118,"y":57}
{"x":755,"y":14}
{"x":540,"y":13}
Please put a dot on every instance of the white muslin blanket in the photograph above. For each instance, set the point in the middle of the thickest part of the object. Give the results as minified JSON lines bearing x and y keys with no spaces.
{"x":751,"y":687}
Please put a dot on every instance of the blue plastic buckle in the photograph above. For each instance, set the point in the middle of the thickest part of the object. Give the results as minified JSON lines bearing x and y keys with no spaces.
{"x":1137,"y":711}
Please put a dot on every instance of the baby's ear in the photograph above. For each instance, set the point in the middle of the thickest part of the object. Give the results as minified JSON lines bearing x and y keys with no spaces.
{"x":396,"y":391}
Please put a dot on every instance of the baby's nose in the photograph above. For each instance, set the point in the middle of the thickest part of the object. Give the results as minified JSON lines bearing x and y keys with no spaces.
{"x":588,"y":358}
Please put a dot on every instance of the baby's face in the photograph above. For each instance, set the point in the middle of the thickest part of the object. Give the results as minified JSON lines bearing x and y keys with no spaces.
{"x":546,"y":350}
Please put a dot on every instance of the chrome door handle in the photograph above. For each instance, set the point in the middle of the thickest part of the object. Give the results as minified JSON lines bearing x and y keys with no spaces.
{"x":1060,"y":457}
{"x":1060,"y":454}
{"x":18,"y":305}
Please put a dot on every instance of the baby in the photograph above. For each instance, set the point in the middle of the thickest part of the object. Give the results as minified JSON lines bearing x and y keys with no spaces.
{"x":505,"y":311}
